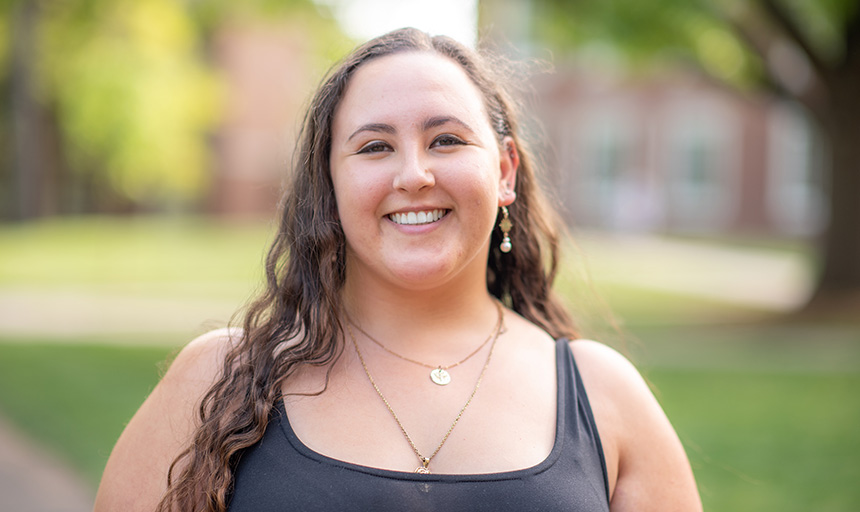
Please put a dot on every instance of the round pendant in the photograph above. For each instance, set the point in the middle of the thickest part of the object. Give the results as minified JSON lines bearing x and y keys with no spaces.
{"x":440,"y":376}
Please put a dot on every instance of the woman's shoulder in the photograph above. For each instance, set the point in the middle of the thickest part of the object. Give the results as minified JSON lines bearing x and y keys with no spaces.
{"x":614,"y":386}
{"x":604,"y":367}
{"x":135,"y":476}
{"x":203,"y":357}
{"x":198,"y":364}
{"x":642,"y":451}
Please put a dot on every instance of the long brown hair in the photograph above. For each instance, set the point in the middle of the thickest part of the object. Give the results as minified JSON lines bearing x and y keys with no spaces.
{"x":295,"y":320}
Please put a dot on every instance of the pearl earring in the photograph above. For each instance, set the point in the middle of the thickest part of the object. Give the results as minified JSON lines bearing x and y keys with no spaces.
{"x":505,"y":225}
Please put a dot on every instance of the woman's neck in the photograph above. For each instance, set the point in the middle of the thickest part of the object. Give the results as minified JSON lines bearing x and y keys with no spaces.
{"x":434,"y":321}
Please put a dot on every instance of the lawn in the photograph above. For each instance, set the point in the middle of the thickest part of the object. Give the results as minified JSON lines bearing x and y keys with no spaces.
{"x":768,"y":441}
{"x":767,"y":410}
{"x":76,"y":398}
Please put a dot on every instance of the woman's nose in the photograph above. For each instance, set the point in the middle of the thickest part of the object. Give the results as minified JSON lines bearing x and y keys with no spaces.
{"x":415,"y":173}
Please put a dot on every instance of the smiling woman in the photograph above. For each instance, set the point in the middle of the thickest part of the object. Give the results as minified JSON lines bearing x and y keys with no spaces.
{"x":412,"y":134}
{"x":413,"y":238}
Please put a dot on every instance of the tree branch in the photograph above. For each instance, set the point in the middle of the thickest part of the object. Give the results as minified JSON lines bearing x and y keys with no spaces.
{"x":789,"y":27}
{"x":852,"y":39}
{"x":760,"y":44}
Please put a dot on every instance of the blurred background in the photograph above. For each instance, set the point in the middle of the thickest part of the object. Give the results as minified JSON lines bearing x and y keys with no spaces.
{"x":705,"y":154}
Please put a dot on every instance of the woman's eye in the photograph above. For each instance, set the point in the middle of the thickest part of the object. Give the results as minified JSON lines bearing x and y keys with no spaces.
{"x":447,"y":140}
{"x":374,"y":147}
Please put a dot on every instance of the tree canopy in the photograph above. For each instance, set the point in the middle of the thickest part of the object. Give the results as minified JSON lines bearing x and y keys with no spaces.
{"x":120,"y":97}
{"x":808,"y":51}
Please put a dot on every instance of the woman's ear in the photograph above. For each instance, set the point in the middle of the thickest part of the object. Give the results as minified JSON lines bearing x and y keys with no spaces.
{"x":509,"y":162}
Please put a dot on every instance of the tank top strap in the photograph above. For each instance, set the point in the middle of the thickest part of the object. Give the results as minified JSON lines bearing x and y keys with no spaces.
{"x":579,"y":418}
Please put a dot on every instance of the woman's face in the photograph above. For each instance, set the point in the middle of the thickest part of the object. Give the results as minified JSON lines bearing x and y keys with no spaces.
{"x":418,"y":172}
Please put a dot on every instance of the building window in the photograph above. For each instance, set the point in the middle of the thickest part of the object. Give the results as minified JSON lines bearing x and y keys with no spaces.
{"x":795,"y":192}
{"x":702,"y":158}
{"x":607,"y":157}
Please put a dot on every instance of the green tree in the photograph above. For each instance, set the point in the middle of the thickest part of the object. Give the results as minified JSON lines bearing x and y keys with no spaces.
{"x":112,"y":102}
{"x":805,"y":50}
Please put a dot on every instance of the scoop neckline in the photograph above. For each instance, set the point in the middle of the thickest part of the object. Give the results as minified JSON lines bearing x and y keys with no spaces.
{"x":541,"y":466}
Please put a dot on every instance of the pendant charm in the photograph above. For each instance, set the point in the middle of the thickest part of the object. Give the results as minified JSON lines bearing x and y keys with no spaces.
{"x":440,"y":376}
{"x":423,"y":469}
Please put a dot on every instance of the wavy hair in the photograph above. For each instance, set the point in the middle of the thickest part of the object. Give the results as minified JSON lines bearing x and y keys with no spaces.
{"x":295,"y":320}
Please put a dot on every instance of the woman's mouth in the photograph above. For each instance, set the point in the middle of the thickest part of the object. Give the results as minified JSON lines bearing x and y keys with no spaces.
{"x":417,"y":218}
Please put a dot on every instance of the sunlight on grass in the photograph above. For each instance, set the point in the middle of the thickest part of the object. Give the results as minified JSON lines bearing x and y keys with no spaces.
{"x":106,"y":251}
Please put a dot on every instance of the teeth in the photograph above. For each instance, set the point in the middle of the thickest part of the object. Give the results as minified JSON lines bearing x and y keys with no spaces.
{"x":414,"y":218}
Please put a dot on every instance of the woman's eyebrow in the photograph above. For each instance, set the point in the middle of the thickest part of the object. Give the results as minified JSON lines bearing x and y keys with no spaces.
{"x":373,"y":127}
{"x":430,"y":123}
{"x":436,"y":121}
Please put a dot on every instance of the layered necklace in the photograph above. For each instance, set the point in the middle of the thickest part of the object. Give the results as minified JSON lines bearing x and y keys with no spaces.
{"x":438,"y":373}
{"x":425,"y":461}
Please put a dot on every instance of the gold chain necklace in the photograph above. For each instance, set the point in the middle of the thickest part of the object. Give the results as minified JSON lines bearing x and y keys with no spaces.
{"x":439,"y":373}
{"x":425,"y":461}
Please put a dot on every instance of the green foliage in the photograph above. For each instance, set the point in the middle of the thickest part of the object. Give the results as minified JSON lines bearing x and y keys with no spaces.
{"x":695,"y":31}
{"x":823,"y":23}
{"x":133,"y":96}
{"x":308,"y":19}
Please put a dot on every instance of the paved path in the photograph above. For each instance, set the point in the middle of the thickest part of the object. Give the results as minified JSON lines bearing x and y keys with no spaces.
{"x":75,"y":312}
{"x":33,"y":480}
{"x":760,"y":278}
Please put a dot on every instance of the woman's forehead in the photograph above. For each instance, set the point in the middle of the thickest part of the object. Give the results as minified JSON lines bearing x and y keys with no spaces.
{"x":410,"y":84}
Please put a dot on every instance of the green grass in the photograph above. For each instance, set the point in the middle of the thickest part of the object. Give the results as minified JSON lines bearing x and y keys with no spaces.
{"x":768,"y":441}
{"x":105,"y":251}
{"x":76,"y":398}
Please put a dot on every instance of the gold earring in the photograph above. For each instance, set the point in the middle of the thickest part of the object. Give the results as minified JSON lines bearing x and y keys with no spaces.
{"x":505,"y":225}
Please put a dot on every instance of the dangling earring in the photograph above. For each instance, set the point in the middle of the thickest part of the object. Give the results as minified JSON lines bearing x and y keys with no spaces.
{"x":505,"y":225}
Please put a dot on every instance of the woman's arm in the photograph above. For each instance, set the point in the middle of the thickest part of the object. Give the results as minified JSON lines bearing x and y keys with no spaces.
{"x":648,"y":469}
{"x":135,"y":477}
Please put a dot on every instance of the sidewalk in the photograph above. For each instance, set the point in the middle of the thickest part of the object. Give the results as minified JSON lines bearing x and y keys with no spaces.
{"x":760,"y":278}
{"x":32,"y":480}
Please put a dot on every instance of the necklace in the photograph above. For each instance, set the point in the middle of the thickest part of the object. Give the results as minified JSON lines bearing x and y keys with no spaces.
{"x":425,"y":461}
{"x":438,"y":373}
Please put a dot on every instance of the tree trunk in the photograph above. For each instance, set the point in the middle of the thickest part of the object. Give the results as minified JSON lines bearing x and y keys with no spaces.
{"x":28,"y":164}
{"x":839,"y":281}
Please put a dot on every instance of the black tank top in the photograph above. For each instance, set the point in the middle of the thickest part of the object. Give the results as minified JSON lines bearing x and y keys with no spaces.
{"x":281,"y":474}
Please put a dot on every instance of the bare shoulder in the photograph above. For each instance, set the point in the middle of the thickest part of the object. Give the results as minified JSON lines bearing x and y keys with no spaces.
{"x":647,"y":466}
{"x":135,"y":477}
{"x":610,"y":379}
{"x":201,"y":361}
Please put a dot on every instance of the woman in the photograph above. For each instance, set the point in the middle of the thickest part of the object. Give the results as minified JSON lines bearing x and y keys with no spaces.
{"x":380,"y":370}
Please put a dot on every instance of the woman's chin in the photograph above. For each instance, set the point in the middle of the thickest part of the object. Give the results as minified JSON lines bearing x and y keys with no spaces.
{"x":420,"y":275}
{"x":415,"y":269}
